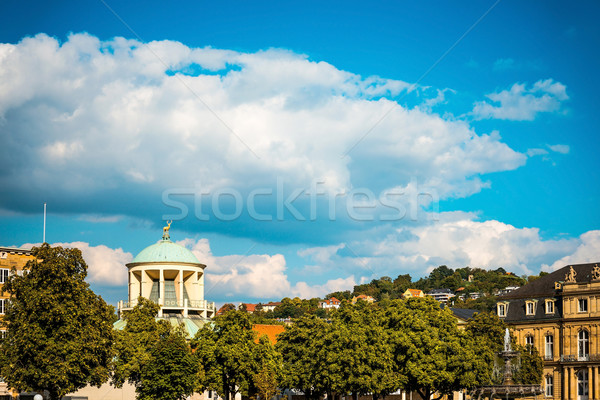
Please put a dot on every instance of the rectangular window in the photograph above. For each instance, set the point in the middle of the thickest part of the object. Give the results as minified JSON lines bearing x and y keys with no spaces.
{"x":529,"y":340}
{"x":549,"y":347}
{"x":549,"y":386}
{"x":501,"y":310}
{"x":2,"y":334}
{"x":549,"y":307}
{"x":583,"y":307}
{"x":2,"y":304}
{"x":4,"y":272}
{"x":530,"y":308}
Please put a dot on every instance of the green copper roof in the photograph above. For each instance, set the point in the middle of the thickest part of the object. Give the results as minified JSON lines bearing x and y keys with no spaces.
{"x":166,"y":251}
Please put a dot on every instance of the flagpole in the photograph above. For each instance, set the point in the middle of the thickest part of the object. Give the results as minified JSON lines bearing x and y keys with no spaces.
{"x":44,"y":240}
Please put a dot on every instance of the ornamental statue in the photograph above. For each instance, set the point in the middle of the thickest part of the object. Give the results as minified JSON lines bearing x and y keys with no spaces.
{"x":570,"y":276}
{"x":596,"y":272}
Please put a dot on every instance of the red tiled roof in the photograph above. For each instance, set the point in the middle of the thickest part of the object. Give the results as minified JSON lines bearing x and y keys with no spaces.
{"x":271,"y":331}
{"x":249,"y":307}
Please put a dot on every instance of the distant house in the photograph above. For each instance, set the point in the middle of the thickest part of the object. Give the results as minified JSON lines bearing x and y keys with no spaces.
{"x":270,"y":306}
{"x":250,"y":308}
{"x":331,"y":303}
{"x":441,"y":295}
{"x":413,"y":293}
{"x":363,"y":297}
{"x":475,"y":295}
{"x":462,"y":315}
{"x":507,"y":290}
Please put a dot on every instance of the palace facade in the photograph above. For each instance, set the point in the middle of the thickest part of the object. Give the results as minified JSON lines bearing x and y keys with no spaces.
{"x":10,"y":257}
{"x":559,"y":314}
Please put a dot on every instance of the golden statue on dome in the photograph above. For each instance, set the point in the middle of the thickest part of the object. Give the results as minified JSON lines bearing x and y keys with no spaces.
{"x":166,"y":229}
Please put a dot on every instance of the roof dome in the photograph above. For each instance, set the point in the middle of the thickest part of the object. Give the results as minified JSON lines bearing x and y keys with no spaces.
{"x":166,"y":251}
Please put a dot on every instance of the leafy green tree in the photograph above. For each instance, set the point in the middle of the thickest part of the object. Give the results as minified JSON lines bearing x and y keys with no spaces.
{"x":134,"y":344}
{"x":227,"y":350}
{"x":289,"y":308}
{"x":431,"y":354}
{"x":267,"y":364}
{"x":59,"y":332}
{"x":531,"y":368}
{"x":305,"y":357}
{"x":266,"y":383}
{"x":172,"y":372}
{"x":361,"y":352}
{"x":487,"y":330}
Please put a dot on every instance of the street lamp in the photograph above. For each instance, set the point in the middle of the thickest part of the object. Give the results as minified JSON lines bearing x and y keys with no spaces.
{"x":38,"y":397}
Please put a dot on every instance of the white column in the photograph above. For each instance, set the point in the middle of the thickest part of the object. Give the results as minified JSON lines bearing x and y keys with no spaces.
{"x":200,"y":293}
{"x":161,"y":285}
{"x":130,"y":287}
{"x":181,"y":286}
{"x":142,"y":282}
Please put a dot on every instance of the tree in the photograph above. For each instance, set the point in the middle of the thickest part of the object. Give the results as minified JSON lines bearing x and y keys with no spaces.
{"x":531,"y":368}
{"x":59,"y":332}
{"x":361,"y":352}
{"x":487,"y":330}
{"x":431,"y":354}
{"x":229,"y":354}
{"x":304,"y":353}
{"x":172,"y":372}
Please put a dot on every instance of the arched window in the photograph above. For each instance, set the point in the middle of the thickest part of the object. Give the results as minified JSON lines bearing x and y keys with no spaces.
{"x":583,"y":345}
{"x":583,"y":388}
{"x":549,"y":347}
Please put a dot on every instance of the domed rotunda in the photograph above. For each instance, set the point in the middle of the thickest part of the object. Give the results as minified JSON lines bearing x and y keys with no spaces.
{"x":171,"y":276}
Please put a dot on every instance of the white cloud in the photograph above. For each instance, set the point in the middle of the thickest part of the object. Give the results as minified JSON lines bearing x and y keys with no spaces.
{"x":105,"y":265}
{"x":588,"y":250}
{"x":109,"y":116}
{"x":520,"y":103}
{"x":255,"y":275}
{"x":457,"y":240}
{"x":105,"y":219}
{"x":560,"y":148}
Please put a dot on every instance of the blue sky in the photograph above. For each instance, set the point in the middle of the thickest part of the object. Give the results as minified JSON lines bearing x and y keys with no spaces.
{"x":314,"y":146}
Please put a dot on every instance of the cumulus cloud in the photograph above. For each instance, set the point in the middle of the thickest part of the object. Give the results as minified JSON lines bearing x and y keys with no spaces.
{"x":457,"y":240}
{"x":105,"y":265}
{"x":111,"y":124}
{"x":587,"y":250}
{"x":522,"y":103}
{"x":261,"y":276}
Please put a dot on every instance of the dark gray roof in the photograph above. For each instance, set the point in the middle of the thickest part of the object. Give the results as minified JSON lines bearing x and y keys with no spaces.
{"x":541,"y":290}
{"x":544,"y":286}
{"x":462,"y":313}
{"x":516,"y":310}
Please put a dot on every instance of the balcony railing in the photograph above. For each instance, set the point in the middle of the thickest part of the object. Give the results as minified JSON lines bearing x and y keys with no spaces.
{"x":575,"y":358}
{"x":548,"y":358}
{"x":190,"y":304}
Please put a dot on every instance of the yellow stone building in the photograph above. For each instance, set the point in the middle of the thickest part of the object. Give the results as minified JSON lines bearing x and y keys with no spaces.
{"x":10,"y":257}
{"x":559,"y":314}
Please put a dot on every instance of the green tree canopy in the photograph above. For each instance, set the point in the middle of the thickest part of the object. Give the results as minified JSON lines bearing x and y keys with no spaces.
{"x":153,"y":356}
{"x":360,"y":352}
{"x":59,"y":332}
{"x":231,"y":357}
{"x":304,"y":351}
{"x":431,"y":354}
{"x":172,"y":372}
